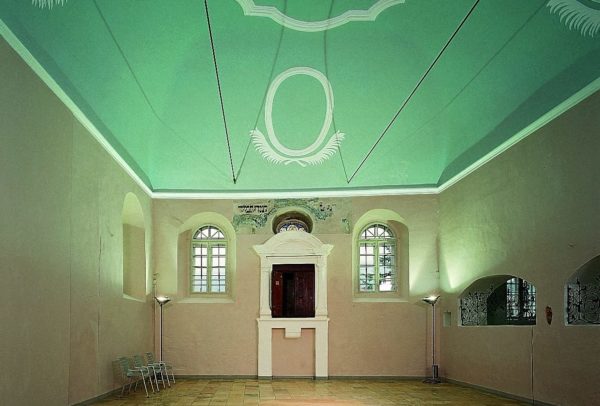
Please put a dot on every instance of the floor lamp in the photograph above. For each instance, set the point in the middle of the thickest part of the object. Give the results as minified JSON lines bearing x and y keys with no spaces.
{"x":161,"y":300}
{"x":434,"y":367}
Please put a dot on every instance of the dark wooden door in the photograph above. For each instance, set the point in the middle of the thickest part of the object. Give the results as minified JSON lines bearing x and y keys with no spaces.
{"x":293,"y":290}
{"x":277,"y":294}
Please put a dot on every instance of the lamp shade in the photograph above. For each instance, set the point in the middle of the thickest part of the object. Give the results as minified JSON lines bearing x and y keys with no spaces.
{"x":162,"y":300}
{"x":432,"y":299}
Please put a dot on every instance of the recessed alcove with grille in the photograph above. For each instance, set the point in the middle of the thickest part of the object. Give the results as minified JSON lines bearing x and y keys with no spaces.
{"x":583,"y":295}
{"x":498,"y":300}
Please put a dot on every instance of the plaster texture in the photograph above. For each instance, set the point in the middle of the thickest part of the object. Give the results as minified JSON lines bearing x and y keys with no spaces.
{"x":532,"y":213}
{"x":365,"y":339}
{"x":62,"y":311}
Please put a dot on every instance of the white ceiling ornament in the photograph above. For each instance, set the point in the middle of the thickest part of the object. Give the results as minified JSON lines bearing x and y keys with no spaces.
{"x":578,"y":15}
{"x":47,"y":3}
{"x":273,"y":150}
{"x":251,"y":9}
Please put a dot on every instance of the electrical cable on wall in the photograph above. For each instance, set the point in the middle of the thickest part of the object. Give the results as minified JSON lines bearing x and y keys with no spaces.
{"x":393,"y":120}
{"x":532,"y":375}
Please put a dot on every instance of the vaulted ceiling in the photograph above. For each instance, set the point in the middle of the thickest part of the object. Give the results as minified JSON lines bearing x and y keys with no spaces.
{"x":311,"y":94}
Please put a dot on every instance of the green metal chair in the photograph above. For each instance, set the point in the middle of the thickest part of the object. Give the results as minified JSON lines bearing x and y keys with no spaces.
{"x":132,"y":374}
{"x":140,"y":362}
{"x":163,"y":366}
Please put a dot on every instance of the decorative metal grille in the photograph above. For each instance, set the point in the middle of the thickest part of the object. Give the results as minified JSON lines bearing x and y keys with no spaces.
{"x":583,"y":302}
{"x":520,"y":301}
{"x":473,"y":308}
{"x":292,"y":225}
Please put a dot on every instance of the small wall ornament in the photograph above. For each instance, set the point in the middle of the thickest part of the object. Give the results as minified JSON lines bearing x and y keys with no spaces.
{"x":549,"y":315}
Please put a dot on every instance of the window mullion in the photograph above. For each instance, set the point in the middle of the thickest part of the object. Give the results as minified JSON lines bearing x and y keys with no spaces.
{"x":192,"y":259}
{"x":376,"y":249}
{"x":208,"y":267}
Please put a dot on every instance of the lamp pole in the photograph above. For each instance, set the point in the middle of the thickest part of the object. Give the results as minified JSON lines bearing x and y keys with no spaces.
{"x":161,"y":300}
{"x":432,"y":300}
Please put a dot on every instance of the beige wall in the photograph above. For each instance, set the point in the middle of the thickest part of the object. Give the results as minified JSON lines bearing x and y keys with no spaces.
{"x":534,"y":213}
{"x":364,"y":338}
{"x":63,"y":317}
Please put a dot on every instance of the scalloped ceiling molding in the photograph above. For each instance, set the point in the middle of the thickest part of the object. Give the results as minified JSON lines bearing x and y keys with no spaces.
{"x":583,"y":16}
{"x":251,"y":9}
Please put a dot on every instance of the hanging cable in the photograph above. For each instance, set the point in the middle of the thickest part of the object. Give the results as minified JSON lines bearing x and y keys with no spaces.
{"x":465,"y":18}
{"x":532,"y":369}
{"x":339,"y":148}
{"x":214,"y":55}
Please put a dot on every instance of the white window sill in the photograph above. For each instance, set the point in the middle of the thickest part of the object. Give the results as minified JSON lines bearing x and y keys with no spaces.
{"x":208,"y":299}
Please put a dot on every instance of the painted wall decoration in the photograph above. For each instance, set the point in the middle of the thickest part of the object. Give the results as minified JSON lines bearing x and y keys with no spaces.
{"x":251,"y":9}
{"x":275,"y":152}
{"x":328,"y":214}
{"x":581,"y":15}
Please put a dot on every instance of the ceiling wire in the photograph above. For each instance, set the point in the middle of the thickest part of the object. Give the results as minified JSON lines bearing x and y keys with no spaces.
{"x":262,"y":104}
{"x":140,"y":87}
{"x":405,"y":102}
{"x":212,"y":46}
{"x":476,"y":75}
{"x":339,"y":148}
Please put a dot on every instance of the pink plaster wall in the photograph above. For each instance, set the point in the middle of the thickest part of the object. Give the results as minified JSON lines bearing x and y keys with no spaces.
{"x":63,"y":317}
{"x":532,"y":212}
{"x":365,"y":339}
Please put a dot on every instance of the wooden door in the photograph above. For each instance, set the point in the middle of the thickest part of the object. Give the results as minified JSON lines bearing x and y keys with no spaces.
{"x":293,"y":290}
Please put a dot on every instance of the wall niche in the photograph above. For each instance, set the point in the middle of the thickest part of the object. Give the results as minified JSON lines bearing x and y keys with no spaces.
{"x":582,"y":294}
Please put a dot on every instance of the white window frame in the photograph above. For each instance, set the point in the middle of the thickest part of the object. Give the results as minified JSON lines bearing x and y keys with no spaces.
{"x":209,"y":243}
{"x":400,"y":230}
{"x":376,"y":244}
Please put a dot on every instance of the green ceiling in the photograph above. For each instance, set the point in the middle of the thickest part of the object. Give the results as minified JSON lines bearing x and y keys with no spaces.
{"x":142,"y":72}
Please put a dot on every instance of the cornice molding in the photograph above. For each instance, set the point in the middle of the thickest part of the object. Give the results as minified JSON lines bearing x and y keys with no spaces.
{"x":43,"y":74}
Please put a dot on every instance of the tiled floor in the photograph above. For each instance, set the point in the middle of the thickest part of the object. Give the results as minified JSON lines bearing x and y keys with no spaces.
{"x":305,"y":392}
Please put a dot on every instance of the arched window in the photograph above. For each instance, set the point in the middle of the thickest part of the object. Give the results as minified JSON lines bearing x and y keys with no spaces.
{"x":377,"y":259}
{"x":209,"y":261}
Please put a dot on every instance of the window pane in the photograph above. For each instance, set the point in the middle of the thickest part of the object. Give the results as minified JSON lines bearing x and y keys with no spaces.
{"x":209,"y":233}
{"x":199,"y":280}
{"x":367,"y":279}
{"x":387,"y":279}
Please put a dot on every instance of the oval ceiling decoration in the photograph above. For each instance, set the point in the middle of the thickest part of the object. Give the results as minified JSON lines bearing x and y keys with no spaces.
{"x":581,"y":15}
{"x":251,"y":9}
{"x":273,"y":150}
